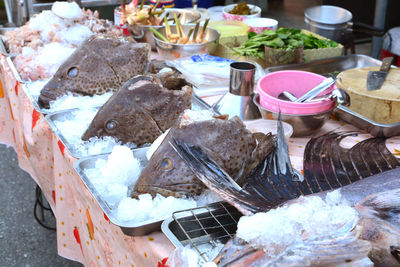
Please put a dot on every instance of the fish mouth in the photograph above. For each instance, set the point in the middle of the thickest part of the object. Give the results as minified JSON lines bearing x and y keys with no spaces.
{"x":154,"y":190}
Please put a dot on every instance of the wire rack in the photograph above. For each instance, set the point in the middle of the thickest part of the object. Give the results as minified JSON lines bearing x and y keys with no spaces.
{"x":205,"y":228}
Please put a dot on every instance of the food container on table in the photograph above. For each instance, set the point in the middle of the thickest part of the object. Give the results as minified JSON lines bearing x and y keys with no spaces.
{"x":226,"y":15}
{"x":304,"y":117}
{"x":258,"y":25}
{"x":142,"y":33}
{"x":170,"y":51}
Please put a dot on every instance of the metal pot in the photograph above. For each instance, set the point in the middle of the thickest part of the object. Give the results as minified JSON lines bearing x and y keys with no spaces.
{"x":142,"y":33}
{"x":335,"y":23}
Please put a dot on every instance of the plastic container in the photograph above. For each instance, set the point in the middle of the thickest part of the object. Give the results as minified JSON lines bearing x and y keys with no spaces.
{"x":297,"y":83}
{"x":258,"y":25}
{"x":229,"y":28}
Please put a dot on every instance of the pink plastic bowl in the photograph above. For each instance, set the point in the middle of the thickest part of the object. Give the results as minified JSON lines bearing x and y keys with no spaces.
{"x":297,"y":83}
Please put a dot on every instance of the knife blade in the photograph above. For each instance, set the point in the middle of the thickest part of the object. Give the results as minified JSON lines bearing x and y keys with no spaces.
{"x":375,"y":79}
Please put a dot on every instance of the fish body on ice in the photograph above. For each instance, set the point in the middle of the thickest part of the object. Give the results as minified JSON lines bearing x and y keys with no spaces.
{"x":274,"y":182}
{"x":101,"y":64}
{"x":140,"y":111}
{"x":235,"y":148}
{"x":373,"y":240}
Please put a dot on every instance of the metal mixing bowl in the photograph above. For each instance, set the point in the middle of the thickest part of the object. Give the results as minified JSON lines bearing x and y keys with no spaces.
{"x":303,"y":125}
{"x":174,"y":51}
{"x":145,"y":35}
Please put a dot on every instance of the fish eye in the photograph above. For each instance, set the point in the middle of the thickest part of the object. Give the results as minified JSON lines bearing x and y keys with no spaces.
{"x":166,"y":164}
{"x":73,"y":72}
{"x":111,"y":125}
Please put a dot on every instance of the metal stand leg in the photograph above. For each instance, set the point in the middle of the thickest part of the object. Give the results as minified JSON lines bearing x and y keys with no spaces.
{"x":40,"y":208}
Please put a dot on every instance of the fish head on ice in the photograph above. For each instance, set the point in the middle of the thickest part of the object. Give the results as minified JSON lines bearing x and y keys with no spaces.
{"x":228,"y":141}
{"x":140,"y":111}
{"x":101,"y":64}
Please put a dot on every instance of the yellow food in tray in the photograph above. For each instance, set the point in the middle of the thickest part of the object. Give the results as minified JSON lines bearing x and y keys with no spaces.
{"x":381,"y":105}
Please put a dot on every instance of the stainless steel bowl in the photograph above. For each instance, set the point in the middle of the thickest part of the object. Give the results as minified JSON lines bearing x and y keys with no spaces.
{"x":174,"y":51}
{"x":145,"y":35}
{"x":303,"y":125}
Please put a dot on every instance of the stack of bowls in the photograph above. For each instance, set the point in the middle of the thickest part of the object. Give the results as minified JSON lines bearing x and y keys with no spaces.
{"x":307,"y":117}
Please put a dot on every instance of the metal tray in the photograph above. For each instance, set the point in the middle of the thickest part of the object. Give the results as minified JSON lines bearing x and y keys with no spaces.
{"x":197,"y":104}
{"x":363,"y":123}
{"x":202,"y":228}
{"x":330,"y":66}
{"x":128,"y":229}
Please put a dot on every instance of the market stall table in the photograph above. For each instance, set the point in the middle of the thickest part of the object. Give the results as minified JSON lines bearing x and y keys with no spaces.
{"x":84,"y":233}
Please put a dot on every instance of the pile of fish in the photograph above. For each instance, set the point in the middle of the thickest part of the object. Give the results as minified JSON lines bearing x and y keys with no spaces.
{"x":274,"y":182}
{"x":101,"y":64}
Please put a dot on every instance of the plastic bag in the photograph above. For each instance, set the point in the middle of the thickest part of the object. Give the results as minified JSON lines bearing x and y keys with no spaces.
{"x":206,"y":70}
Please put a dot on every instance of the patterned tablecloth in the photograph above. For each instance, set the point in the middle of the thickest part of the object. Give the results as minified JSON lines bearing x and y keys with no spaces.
{"x":84,"y":233}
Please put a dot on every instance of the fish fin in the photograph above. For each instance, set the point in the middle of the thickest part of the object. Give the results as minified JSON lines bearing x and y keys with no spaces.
{"x":270,"y":184}
{"x":328,"y":166}
{"x":214,"y":177}
{"x":381,"y":204}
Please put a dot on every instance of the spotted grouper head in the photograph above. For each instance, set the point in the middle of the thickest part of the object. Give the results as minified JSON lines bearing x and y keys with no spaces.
{"x":140,"y":111}
{"x":101,"y":64}
{"x":228,"y":142}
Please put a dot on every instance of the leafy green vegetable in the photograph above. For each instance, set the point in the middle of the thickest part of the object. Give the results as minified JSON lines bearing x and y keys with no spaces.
{"x":283,"y":38}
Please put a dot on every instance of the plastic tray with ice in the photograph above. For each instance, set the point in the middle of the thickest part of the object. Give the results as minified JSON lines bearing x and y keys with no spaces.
{"x":110,"y":178}
{"x":69,"y":126}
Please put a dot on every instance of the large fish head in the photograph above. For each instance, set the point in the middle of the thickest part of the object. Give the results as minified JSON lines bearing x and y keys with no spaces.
{"x":101,"y":64}
{"x":167,"y":174}
{"x":117,"y":116}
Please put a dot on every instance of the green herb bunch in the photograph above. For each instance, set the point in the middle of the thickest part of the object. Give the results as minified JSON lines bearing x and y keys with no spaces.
{"x":283,"y":38}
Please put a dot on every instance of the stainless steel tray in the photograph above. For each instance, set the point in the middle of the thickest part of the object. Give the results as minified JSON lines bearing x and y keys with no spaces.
{"x":330,"y":66}
{"x":202,"y":228}
{"x":361,"y":122}
{"x":197,"y":104}
{"x":126,"y":227}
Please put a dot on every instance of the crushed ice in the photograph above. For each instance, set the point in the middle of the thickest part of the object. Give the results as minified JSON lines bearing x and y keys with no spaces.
{"x":114,"y":179}
{"x":305,"y":219}
{"x":72,"y":125}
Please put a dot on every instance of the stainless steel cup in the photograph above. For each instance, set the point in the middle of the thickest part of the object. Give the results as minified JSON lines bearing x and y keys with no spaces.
{"x":242,"y":78}
{"x":239,"y":100}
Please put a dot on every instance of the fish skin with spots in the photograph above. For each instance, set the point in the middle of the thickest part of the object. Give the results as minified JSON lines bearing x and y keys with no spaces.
{"x":140,"y":111}
{"x":101,"y":64}
{"x":234,"y":147}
